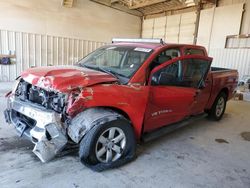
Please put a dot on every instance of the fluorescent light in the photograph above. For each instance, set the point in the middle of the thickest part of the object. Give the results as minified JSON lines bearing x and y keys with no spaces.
{"x":117,"y":40}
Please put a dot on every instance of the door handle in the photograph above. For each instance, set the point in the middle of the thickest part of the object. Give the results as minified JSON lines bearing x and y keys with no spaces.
{"x":207,"y":81}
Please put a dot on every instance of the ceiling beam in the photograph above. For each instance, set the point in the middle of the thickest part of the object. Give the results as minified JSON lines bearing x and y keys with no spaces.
{"x":211,"y":1}
{"x":68,"y":3}
{"x":146,"y":3}
{"x":118,"y":6}
{"x":114,"y":1}
{"x":172,"y":10}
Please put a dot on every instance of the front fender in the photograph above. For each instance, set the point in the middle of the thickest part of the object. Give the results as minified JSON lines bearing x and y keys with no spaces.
{"x":130,"y":99}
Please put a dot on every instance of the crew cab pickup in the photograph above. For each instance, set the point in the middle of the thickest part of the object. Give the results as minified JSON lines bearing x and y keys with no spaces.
{"x":120,"y":94}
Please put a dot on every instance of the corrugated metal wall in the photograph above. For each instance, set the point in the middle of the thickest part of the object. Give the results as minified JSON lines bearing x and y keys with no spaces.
{"x":232,"y":58}
{"x":40,"y":50}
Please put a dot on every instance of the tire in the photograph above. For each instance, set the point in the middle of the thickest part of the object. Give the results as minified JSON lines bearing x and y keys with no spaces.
{"x":218,"y":108}
{"x":93,"y":143}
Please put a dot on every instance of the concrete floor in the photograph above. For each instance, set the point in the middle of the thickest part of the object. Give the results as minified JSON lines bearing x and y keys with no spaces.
{"x":188,"y":157}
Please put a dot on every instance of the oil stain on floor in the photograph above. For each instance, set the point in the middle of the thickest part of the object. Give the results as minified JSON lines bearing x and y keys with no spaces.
{"x":220,"y":140}
{"x":7,"y":144}
{"x":245,"y":136}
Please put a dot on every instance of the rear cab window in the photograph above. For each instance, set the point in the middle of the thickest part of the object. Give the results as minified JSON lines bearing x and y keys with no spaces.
{"x":194,"y":51}
{"x":165,"y":55}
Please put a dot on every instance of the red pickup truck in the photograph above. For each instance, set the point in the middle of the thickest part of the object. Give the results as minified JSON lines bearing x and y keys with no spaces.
{"x":120,"y":94}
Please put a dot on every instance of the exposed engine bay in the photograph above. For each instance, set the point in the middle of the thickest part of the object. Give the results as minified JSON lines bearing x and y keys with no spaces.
{"x":48,"y":99}
{"x":41,"y":116}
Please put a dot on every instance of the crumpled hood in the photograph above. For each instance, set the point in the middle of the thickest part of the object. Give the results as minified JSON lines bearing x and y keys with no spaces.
{"x":64,"y":78}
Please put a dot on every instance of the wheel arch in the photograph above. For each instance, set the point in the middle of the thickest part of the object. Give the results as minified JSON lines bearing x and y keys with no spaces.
{"x":224,"y":90}
{"x":118,"y":110}
{"x":213,"y":98}
{"x":84,"y":121}
{"x":135,"y":122}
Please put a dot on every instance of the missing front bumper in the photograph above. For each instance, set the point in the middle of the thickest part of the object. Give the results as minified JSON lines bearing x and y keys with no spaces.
{"x":7,"y":116}
{"x":46,"y":149}
{"x":48,"y":134}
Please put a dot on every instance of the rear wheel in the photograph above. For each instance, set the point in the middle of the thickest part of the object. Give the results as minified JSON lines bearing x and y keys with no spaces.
{"x":218,"y":107}
{"x":108,"y":145}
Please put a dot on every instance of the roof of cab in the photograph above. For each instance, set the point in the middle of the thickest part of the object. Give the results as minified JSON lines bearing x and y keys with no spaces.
{"x":154,"y":45}
{"x":139,"y":44}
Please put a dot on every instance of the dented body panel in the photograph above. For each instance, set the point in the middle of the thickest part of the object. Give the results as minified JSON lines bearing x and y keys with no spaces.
{"x":47,"y":133}
{"x":130,"y":100}
{"x":64,"y":78}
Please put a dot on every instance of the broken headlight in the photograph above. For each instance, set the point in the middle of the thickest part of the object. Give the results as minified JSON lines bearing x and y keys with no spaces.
{"x":16,"y":84}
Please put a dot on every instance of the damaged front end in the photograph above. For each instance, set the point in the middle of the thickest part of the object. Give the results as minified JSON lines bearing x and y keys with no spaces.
{"x":38,"y":115}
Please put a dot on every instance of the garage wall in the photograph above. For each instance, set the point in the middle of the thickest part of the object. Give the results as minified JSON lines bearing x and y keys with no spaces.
{"x":178,"y":28}
{"x":232,"y":17}
{"x":217,"y":23}
{"x":34,"y":50}
{"x":86,"y":20}
{"x":245,"y":25}
{"x":44,"y":33}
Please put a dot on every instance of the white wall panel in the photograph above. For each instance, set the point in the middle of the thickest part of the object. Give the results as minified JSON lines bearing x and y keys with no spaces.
{"x":178,"y":28}
{"x":147,"y":28}
{"x":187,"y":28}
{"x":160,"y":27}
{"x":245,"y":26}
{"x":217,"y":23}
{"x":86,"y":20}
{"x":173,"y":28}
{"x":34,"y":50}
{"x":227,"y":20}
{"x":205,"y":27}
{"x":232,"y":58}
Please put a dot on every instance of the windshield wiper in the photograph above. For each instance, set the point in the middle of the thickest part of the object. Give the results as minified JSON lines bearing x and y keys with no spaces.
{"x":112,"y":73}
{"x":116,"y":73}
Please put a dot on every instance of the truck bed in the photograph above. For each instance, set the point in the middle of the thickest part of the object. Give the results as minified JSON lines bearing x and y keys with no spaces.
{"x":220,"y":69}
{"x":222,"y":79}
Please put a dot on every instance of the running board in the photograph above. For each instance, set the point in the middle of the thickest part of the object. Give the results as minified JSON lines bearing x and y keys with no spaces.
{"x":169,"y":128}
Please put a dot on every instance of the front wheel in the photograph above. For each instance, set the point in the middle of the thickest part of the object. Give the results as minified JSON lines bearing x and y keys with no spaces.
{"x":218,"y":107}
{"x":108,"y":145}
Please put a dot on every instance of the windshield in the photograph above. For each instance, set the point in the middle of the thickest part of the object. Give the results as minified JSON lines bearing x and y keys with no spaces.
{"x":119,"y":61}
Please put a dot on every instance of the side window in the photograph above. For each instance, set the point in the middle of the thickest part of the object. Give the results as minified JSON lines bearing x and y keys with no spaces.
{"x":193,"y":51}
{"x":173,"y":53}
{"x":165,"y":56}
{"x":182,"y":73}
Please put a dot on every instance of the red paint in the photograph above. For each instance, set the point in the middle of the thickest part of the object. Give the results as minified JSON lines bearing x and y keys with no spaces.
{"x":65,"y":78}
{"x":146,"y":106}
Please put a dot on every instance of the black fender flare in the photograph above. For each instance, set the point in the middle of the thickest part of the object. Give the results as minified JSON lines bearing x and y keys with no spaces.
{"x":86,"y":120}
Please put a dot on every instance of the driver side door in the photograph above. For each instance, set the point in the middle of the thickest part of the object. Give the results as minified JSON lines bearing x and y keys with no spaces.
{"x":173,"y":91}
